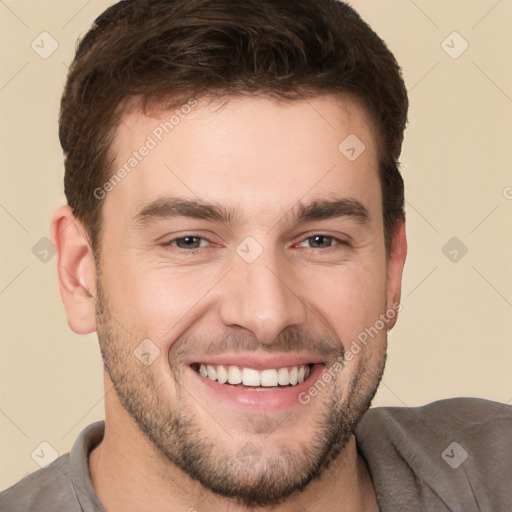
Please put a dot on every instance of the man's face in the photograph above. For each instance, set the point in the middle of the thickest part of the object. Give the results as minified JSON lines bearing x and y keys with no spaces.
{"x":275,"y":276}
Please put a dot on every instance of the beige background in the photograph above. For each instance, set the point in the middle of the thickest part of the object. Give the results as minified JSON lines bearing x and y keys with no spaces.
{"x":455,"y":331}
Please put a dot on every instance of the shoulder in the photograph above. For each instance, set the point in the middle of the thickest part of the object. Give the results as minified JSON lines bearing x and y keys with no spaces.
{"x":41,"y":491}
{"x":65,"y":485}
{"x":480,"y":427}
{"x":464,"y":416}
{"x":444,"y":453}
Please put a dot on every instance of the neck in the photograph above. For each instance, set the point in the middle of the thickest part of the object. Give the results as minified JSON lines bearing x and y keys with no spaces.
{"x":129,"y":474}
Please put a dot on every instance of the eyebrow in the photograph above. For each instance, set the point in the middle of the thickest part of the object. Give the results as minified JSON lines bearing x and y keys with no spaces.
{"x":173,"y":207}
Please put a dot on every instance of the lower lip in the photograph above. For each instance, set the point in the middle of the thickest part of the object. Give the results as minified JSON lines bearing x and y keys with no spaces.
{"x":259,"y":397}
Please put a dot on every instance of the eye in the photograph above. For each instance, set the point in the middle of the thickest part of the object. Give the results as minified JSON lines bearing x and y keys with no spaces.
{"x":319,"y":241}
{"x":193,"y":243}
{"x":187,"y":243}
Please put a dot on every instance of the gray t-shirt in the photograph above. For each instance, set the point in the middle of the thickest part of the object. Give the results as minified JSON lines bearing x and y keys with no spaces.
{"x":452,"y":455}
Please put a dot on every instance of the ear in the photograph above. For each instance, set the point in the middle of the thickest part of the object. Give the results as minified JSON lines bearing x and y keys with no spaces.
{"x":75,"y":269}
{"x":395,"y":268}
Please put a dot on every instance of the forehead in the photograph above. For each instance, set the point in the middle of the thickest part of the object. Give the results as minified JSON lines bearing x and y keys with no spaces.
{"x":248,"y":153}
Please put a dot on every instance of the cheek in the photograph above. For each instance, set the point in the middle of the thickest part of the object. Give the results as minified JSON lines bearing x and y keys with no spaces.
{"x":160,"y":302}
{"x":349,"y":298}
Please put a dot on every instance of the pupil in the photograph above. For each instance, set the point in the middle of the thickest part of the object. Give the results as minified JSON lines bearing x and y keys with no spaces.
{"x":189,"y":241}
{"x":318,"y":239}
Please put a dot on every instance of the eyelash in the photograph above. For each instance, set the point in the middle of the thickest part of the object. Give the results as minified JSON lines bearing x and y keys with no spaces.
{"x":338,"y":242}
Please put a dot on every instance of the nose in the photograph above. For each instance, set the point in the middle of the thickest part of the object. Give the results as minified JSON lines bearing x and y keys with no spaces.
{"x":261,"y":298}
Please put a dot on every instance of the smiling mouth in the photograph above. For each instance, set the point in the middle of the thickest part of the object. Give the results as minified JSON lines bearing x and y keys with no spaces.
{"x":237,"y":376}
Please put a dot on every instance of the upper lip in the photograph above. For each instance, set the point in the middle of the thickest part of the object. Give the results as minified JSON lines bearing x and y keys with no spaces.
{"x":258,"y":361}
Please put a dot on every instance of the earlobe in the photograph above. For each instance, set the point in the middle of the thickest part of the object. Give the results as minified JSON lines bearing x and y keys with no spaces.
{"x":75,"y":269}
{"x":395,"y":268}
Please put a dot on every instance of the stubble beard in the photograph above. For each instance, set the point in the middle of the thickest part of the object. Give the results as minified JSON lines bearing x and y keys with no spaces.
{"x":252,"y":479}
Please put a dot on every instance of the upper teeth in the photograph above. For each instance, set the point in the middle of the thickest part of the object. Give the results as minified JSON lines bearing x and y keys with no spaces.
{"x":251,"y":377}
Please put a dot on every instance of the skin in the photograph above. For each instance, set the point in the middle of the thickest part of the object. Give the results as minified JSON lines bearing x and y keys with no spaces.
{"x":261,"y":157}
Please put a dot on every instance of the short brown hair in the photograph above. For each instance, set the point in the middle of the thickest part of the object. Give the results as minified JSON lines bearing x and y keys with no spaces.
{"x":169,"y":50}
